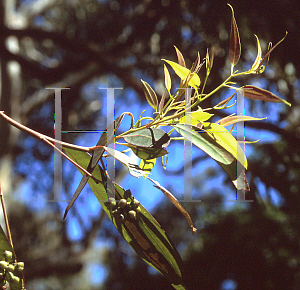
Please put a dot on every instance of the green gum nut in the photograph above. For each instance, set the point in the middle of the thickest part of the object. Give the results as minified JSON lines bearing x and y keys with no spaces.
{"x":122,"y":203}
{"x":3,"y":265}
{"x":20,"y":266}
{"x":111,"y":203}
{"x":12,"y":278}
{"x":132,"y":214}
{"x":8,"y":256}
{"x":10,"y":268}
{"x":135,"y":203}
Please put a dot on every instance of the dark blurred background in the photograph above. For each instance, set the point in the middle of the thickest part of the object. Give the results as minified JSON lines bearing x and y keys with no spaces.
{"x":88,"y":44}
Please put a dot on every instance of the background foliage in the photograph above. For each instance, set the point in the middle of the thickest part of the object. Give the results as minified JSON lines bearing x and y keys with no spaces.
{"x":89,"y":44}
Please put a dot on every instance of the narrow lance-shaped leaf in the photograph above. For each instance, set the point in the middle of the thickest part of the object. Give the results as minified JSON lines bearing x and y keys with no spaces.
{"x":234,"y":119}
{"x":142,"y":233}
{"x":167,"y":78}
{"x":256,"y":93}
{"x":150,"y":95}
{"x":266,"y":57}
{"x":180,"y":57}
{"x":209,"y":145}
{"x":105,"y":139}
{"x":162,"y":102}
{"x":256,"y":64}
{"x":235,"y":44}
{"x":173,"y":199}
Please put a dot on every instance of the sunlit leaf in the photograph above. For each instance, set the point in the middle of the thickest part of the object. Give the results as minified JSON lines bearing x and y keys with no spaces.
{"x":167,"y":78}
{"x":150,"y":95}
{"x":234,"y":119}
{"x":143,"y":234}
{"x":210,"y":146}
{"x":180,"y":57}
{"x":184,"y":73}
{"x":226,"y":140}
{"x":147,"y":165}
{"x":256,"y":64}
{"x":235,"y":45}
{"x":196,"y":117}
{"x":256,"y":93}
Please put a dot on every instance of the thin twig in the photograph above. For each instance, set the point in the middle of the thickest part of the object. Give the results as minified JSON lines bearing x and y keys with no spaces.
{"x":41,"y":136}
{"x":5,"y":218}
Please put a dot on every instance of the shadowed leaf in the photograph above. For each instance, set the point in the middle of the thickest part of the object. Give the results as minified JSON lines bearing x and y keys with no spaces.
{"x":150,"y":95}
{"x":235,"y":45}
{"x":155,"y":138}
{"x":180,"y":57}
{"x":256,"y":93}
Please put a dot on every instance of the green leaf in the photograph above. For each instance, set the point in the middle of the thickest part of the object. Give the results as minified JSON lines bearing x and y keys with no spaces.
{"x":183,"y":73}
{"x":196,"y":117}
{"x":255,"y":93}
{"x":143,"y":234}
{"x":149,"y":137}
{"x":5,"y":246}
{"x":226,"y":140}
{"x":210,"y":146}
{"x":235,"y":44}
{"x":150,"y":95}
{"x":147,"y":153}
{"x":147,"y":165}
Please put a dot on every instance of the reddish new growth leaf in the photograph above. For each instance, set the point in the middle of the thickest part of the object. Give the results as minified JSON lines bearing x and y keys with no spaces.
{"x":235,"y":45}
{"x":256,"y":93}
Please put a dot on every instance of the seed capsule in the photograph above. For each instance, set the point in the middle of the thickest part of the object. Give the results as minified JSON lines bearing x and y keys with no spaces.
{"x":135,"y":203}
{"x":20,"y":266}
{"x":3,"y":265}
{"x":8,"y":256}
{"x":13,"y":279}
{"x":10,"y":268}
{"x":132,"y":214}
{"x":111,"y":203}
{"x":122,"y":203}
